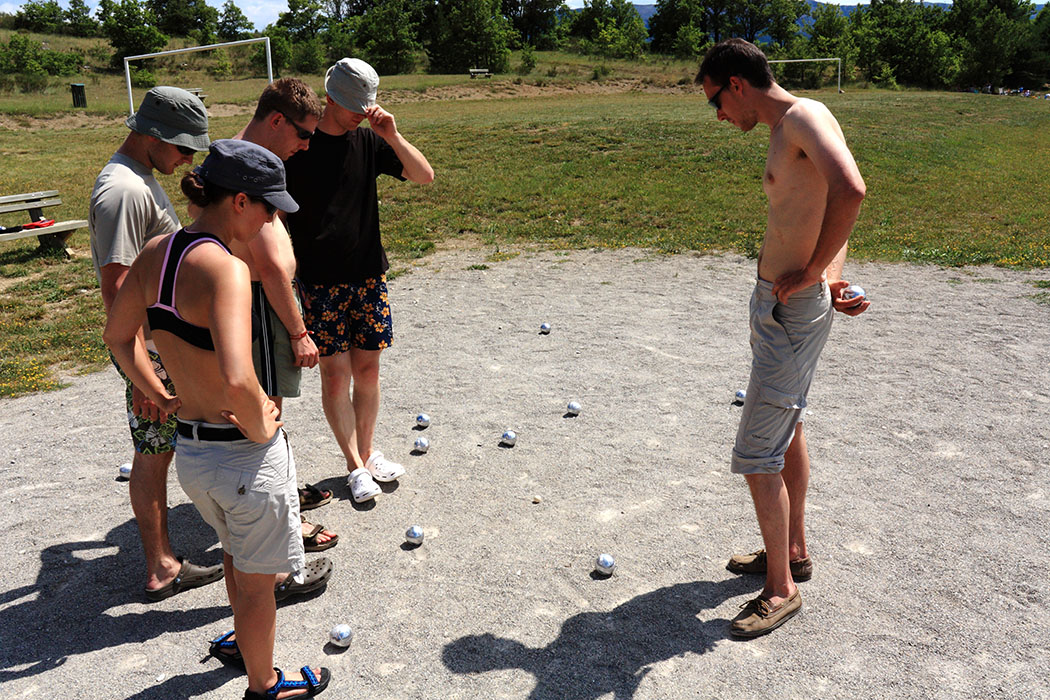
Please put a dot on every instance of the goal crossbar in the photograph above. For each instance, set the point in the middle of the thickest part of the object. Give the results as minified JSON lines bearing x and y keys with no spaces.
{"x":808,"y":60}
{"x":192,"y":49}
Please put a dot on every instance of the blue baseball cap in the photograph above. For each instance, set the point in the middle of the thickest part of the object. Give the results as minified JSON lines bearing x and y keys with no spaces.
{"x":242,"y":166}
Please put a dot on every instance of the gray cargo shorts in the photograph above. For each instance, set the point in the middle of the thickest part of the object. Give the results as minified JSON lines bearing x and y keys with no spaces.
{"x":786,"y":341}
{"x":247,"y":492}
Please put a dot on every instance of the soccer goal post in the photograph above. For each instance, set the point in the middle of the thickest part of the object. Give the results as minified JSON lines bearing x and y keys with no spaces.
{"x":192,"y":49}
{"x":810,"y":60}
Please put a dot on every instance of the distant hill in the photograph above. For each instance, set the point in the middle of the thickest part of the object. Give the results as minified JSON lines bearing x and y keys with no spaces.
{"x":647,"y":11}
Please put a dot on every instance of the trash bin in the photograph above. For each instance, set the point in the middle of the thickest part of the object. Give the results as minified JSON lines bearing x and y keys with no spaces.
{"x":79,"y":96}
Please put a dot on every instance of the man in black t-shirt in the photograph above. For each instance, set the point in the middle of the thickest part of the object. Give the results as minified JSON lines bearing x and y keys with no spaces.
{"x":342,"y":263}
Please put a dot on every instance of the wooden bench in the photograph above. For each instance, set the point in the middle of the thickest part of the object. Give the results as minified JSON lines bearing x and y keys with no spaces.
{"x":199,"y":92}
{"x":480,"y":73}
{"x":49,"y":237}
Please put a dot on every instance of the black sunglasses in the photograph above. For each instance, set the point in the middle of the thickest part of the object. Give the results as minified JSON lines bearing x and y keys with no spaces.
{"x":303,"y":134}
{"x":714,"y":101}
{"x":186,"y":150}
{"x":270,"y":209}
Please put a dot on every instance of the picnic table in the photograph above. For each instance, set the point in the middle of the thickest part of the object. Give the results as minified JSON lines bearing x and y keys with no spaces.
{"x":51,"y":234}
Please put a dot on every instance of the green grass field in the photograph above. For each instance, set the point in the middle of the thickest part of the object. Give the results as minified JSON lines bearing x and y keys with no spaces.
{"x":953,"y":179}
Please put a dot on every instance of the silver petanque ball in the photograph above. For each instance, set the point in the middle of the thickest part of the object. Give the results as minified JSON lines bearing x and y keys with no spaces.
{"x":545,"y":328}
{"x":125,"y":470}
{"x":605,"y":564}
{"x":574,"y":408}
{"x":509,"y":438}
{"x":741,"y":394}
{"x":422,"y":444}
{"x":854,"y":291}
{"x":341,"y":635}
{"x":414,"y":535}
{"x":423,"y":420}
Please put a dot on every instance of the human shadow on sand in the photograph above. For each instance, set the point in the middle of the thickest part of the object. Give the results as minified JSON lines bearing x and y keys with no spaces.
{"x":64,"y":612}
{"x":598,"y":653}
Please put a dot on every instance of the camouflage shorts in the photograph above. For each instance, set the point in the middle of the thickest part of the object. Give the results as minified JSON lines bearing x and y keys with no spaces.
{"x":150,"y":437}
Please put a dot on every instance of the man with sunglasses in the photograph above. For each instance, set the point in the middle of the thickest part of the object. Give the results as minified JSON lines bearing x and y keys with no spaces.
{"x":342,"y":262}
{"x":285,"y":118}
{"x":127,"y":208}
{"x":815,"y":191}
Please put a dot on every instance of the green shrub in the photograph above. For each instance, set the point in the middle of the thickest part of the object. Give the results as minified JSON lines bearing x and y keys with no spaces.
{"x":528,"y":60}
{"x":308,"y":56}
{"x":142,"y":78}
{"x":223,"y":67}
{"x":32,"y":81}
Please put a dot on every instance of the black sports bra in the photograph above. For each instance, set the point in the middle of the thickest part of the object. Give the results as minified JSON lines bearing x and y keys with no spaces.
{"x":163,"y":316}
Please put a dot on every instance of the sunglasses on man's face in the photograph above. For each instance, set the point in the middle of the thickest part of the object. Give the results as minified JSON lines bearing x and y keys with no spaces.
{"x":303,"y":134}
{"x":186,"y":150}
{"x":715,"y":101}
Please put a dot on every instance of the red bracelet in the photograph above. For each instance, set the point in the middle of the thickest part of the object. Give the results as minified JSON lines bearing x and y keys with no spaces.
{"x":300,"y":336}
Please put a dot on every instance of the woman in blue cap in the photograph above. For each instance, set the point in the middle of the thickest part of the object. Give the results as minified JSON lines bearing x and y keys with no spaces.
{"x":232,"y":458}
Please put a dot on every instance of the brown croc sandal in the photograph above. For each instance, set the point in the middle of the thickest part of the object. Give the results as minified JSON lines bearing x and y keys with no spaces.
{"x":755,"y":563}
{"x":189,"y":576}
{"x":315,"y":576}
{"x":310,"y":543}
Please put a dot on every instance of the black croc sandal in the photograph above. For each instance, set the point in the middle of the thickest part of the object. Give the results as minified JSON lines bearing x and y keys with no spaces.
{"x":315,"y":575}
{"x":311,"y":497}
{"x":225,"y":650}
{"x":310,"y":683}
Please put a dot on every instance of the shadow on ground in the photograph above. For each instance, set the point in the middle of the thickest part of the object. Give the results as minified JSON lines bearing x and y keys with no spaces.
{"x":64,"y":613}
{"x":607,"y":652}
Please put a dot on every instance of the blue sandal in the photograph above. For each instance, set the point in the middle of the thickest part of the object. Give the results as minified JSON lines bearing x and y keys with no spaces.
{"x":225,"y":650}
{"x":310,"y":683}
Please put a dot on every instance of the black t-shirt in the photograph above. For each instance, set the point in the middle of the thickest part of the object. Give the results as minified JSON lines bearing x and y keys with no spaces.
{"x":335,"y":233}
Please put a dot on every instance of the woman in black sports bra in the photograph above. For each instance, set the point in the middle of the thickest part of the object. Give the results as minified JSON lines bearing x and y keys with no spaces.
{"x":232,"y":458}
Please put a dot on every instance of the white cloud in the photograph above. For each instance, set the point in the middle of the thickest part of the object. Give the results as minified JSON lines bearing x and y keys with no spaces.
{"x":260,"y":12}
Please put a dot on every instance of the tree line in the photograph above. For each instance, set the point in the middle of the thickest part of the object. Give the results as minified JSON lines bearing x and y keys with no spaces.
{"x":889,"y":42}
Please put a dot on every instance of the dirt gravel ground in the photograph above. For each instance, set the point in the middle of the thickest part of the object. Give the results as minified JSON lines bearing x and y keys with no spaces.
{"x":929,"y":433}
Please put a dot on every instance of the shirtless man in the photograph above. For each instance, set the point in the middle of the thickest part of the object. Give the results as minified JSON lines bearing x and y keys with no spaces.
{"x":814,"y":191}
{"x":285,"y":118}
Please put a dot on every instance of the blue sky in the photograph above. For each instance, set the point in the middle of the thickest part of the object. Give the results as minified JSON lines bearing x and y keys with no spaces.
{"x":263,"y":12}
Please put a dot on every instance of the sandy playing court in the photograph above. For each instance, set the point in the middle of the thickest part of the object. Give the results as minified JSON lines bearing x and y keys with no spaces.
{"x":928,"y":520}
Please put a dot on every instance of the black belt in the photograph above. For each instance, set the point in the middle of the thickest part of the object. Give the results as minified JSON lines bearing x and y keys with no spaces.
{"x":211,"y":434}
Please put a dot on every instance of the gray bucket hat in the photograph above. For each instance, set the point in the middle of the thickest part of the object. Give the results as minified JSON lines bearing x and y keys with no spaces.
{"x":352,"y":84}
{"x":242,"y":166}
{"x":174,"y":116}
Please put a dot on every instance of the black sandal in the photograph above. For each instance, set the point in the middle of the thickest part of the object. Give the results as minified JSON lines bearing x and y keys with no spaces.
{"x":310,"y":683}
{"x":315,"y":575}
{"x":311,"y":497}
{"x":233,"y":658}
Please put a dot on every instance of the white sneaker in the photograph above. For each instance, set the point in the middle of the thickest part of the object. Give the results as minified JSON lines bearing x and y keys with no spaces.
{"x":383,"y":469}
{"x":362,"y":486}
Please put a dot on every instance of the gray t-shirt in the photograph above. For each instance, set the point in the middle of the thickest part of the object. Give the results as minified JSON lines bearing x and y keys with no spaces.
{"x":128,"y":207}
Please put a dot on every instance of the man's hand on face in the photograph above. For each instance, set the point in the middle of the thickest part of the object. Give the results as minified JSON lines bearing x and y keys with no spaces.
{"x":382,"y":121}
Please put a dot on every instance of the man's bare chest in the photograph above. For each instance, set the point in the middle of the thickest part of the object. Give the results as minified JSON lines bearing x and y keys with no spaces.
{"x":788,"y":169}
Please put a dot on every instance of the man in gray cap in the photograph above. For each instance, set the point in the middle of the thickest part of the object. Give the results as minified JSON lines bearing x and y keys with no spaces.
{"x":341,"y":259}
{"x":128,"y":207}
